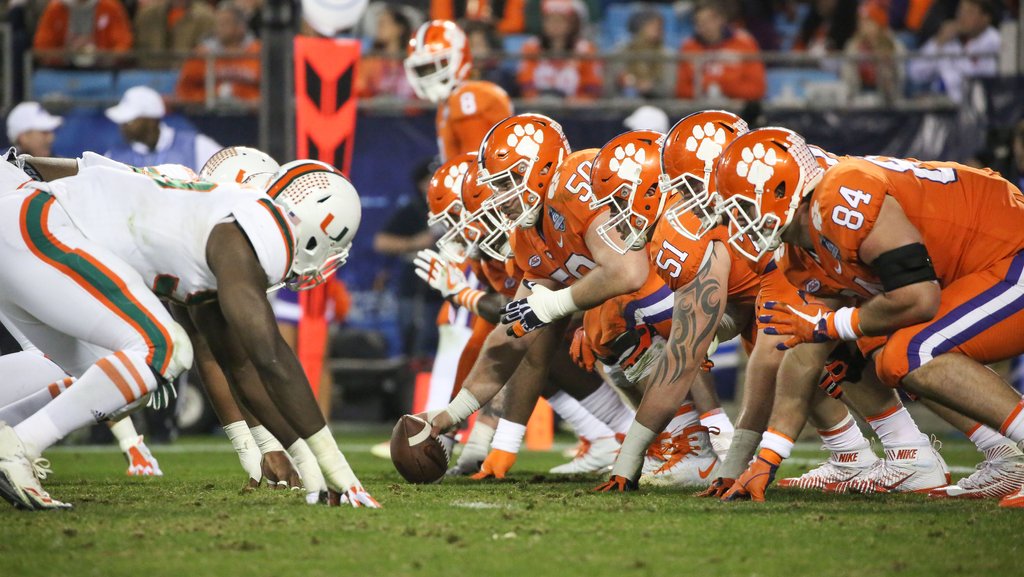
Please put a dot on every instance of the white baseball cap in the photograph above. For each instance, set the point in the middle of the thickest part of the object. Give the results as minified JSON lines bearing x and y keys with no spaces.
{"x":647,"y":117}
{"x":137,"y":102}
{"x":30,"y":116}
{"x":329,"y":17}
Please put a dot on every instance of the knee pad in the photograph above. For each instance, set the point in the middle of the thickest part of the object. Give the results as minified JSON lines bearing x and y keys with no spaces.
{"x":180,"y":352}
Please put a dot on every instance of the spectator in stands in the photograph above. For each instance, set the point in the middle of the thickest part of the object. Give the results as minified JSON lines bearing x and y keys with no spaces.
{"x":253,"y":11}
{"x":505,"y":15}
{"x":647,"y":117}
{"x":405,"y":234}
{"x":171,"y":26}
{"x":650,"y":77}
{"x":84,"y":27}
{"x":550,"y":68}
{"x":880,"y":69}
{"x":148,"y":141}
{"x":483,"y":43}
{"x":723,"y":74}
{"x":382,"y":72}
{"x":964,"y":47}
{"x":236,"y":61}
{"x":31,"y":128}
{"x":827,"y":27}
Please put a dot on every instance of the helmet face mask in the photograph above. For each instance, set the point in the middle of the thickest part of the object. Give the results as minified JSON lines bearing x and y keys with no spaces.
{"x":445,"y":206}
{"x":625,"y":178}
{"x":512,"y":198}
{"x":482,"y":232}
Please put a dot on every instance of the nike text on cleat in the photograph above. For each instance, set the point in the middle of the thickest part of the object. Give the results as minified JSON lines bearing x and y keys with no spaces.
{"x":841,"y":467}
{"x":1000,"y":475}
{"x":592,"y":457}
{"x":911,"y":469}
{"x":688,"y":462}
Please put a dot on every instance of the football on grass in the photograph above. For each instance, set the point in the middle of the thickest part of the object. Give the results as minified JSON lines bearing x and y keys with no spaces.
{"x":418,"y":457}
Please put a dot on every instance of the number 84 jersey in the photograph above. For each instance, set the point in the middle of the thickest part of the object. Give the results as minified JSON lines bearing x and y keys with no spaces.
{"x":969,"y":218}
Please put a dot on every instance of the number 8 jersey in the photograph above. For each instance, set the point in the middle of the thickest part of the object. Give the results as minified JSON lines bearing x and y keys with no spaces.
{"x":160,"y":225}
{"x":969,"y":218}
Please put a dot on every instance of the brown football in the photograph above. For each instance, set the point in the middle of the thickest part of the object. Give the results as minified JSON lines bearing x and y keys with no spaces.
{"x":418,"y":457}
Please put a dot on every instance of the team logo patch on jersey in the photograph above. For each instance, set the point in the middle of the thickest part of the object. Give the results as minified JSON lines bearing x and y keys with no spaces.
{"x":510,"y":282}
{"x":812,"y":286}
{"x":534,"y":261}
{"x":830,"y":247}
{"x":556,"y":219}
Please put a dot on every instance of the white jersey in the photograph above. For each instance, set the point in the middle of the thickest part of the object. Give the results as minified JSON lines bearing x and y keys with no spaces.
{"x":160,"y":225}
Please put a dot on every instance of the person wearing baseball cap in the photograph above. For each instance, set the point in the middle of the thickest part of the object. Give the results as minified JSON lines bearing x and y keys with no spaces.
{"x":31,"y":128}
{"x":149,"y":141}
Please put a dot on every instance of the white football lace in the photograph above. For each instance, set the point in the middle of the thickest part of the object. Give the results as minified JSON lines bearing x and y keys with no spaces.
{"x":41,"y":468}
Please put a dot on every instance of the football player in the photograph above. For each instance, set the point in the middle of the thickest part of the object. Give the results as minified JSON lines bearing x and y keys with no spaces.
{"x":940,"y":279}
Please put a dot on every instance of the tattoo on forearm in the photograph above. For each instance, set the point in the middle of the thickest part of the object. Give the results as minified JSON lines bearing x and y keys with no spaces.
{"x":695,"y":317}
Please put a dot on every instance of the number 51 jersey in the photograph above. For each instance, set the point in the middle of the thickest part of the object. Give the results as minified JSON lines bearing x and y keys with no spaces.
{"x":160,"y":226}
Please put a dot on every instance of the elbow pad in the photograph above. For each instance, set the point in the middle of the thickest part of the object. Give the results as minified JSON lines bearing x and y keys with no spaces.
{"x":904,"y":266}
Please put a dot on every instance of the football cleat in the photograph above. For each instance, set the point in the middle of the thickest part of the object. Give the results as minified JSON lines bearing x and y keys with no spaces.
{"x":141,"y":462}
{"x":1000,"y":475}
{"x":658,"y":453}
{"x":907,"y":469}
{"x":592,"y":457}
{"x":469,"y":461}
{"x":841,"y":467}
{"x":689,"y":462}
{"x":721,"y":442}
{"x":19,"y":477}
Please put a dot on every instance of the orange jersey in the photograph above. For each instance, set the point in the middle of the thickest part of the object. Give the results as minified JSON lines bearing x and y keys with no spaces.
{"x":677,"y":260}
{"x":969,"y":219}
{"x":468,"y":113}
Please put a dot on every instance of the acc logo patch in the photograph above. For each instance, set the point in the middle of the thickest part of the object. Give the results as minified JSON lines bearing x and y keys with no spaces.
{"x":534,"y":261}
{"x":812,"y":286}
{"x":556,"y":219}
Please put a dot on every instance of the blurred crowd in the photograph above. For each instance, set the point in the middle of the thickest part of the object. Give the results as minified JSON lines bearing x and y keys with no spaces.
{"x":568,"y":49}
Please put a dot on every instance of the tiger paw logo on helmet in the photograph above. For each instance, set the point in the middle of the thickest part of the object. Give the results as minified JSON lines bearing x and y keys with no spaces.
{"x":816,"y":215}
{"x":526,"y":140}
{"x":627,"y":161}
{"x":756,"y":164}
{"x":453,"y":180}
{"x":706,"y":142}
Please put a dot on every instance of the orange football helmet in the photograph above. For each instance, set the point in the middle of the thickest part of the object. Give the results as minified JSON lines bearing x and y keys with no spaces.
{"x":625,"y":178}
{"x":761,"y":179}
{"x":518,"y":159}
{"x":692,"y":147}
{"x":438,"y":59}
{"x":444,"y":205}
{"x":481,"y":228}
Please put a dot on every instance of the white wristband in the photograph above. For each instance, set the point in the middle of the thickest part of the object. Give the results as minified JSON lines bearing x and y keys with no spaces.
{"x":778,"y":443}
{"x":844,"y":324}
{"x":337,"y":472}
{"x":551,"y":305}
{"x":248,"y":452}
{"x":508,"y":436}
{"x":305,"y":463}
{"x":462,"y":406}
{"x":266,"y":442}
{"x":631,"y":455}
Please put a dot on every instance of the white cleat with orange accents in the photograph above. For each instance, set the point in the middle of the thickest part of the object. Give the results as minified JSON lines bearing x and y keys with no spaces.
{"x":909,"y":469}
{"x":595,"y":456}
{"x":687,"y":461}
{"x":1000,"y":475}
{"x":141,"y":462}
{"x":19,"y":476}
{"x":841,"y":467}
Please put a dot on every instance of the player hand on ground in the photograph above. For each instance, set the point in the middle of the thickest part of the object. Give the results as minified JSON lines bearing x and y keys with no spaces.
{"x":497,"y":464}
{"x":807,"y":322}
{"x":442,"y":276}
{"x":753,"y":483}
{"x":581,"y":351}
{"x":279,"y":472}
{"x":718,"y":488}
{"x":617,"y":484}
{"x":521,"y":314}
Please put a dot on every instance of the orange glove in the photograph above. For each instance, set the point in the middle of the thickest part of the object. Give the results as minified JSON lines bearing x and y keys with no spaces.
{"x":808,"y":322}
{"x":581,"y":351}
{"x":497,"y":465}
{"x":617,"y":484}
{"x":718,"y":488}
{"x":755,"y":480}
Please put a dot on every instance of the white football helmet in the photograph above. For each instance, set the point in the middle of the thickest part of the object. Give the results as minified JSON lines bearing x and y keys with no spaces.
{"x":324,"y":210}
{"x":240,"y":164}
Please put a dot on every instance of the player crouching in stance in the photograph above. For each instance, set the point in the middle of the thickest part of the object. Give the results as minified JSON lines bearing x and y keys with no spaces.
{"x":932,"y":249}
{"x":88,"y":256}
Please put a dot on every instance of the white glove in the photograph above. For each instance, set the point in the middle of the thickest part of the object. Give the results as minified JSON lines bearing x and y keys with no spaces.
{"x":441,"y":275}
{"x":358,"y":497}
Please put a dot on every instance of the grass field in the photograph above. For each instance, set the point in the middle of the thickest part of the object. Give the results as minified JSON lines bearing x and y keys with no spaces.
{"x":194,"y":522}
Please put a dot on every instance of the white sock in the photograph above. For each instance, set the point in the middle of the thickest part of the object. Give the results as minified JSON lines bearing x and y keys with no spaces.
{"x":114,"y":382}
{"x":684,"y":418}
{"x":264,"y":440}
{"x":337,"y":472}
{"x":479,"y":441}
{"x":26,"y":373}
{"x":775,"y":441}
{"x":508,"y":436}
{"x":19,"y":410}
{"x":717,"y":419}
{"x":607,"y":405}
{"x":579,"y":418}
{"x":845,"y":436}
{"x":125,"y":433}
{"x":1013,"y":426}
{"x":985,"y":438}
{"x":895,"y":428}
{"x":248,"y":451}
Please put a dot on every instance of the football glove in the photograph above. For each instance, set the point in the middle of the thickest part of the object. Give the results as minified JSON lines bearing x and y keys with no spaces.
{"x":617,"y":484}
{"x":718,"y":488}
{"x":537,"y":310}
{"x":753,"y":483}
{"x":356,"y":496}
{"x":808,"y":322}
{"x":581,"y":351}
{"x":162,"y":396}
{"x":442,"y":276}
{"x":497,"y":464}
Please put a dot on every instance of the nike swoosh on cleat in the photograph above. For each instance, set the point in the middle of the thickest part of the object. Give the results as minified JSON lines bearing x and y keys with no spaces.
{"x":892,"y":486}
{"x":705,"y":472}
